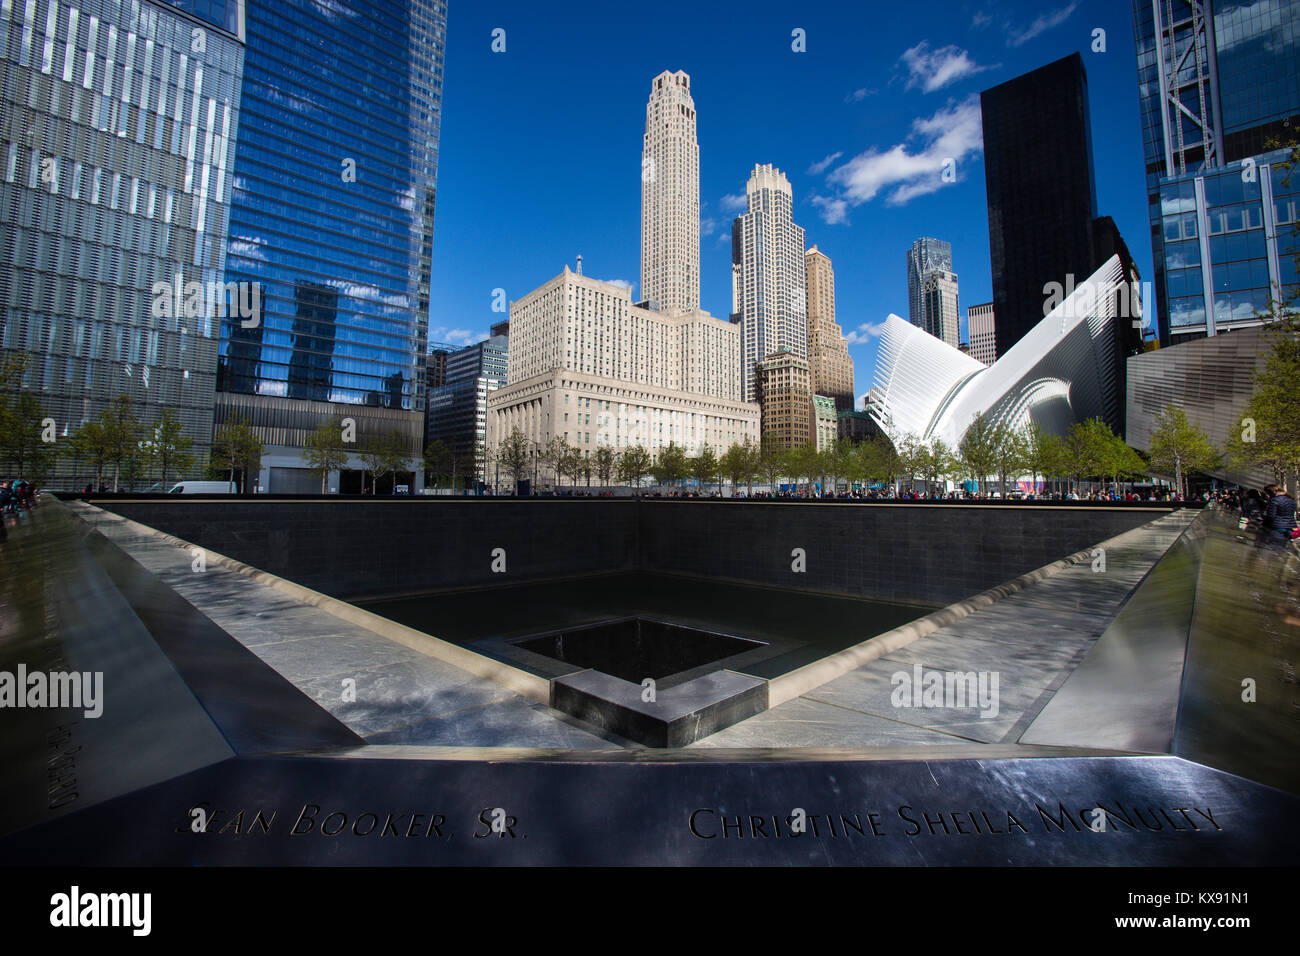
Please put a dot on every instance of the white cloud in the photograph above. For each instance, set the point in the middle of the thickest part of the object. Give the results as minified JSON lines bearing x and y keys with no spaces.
{"x":724,"y":238}
{"x":816,"y":169}
{"x":863,"y":334}
{"x":734,"y":204}
{"x":708,"y":226}
{"x":980,"y":20}
{"x":456,"y":336}
{"x":622,"y":284}
{"x":934,"y":69}
{"x":833,"y":211}
{"x":1041,"y":24}
{"x":857,"y":96}
{"x":953,"y":133}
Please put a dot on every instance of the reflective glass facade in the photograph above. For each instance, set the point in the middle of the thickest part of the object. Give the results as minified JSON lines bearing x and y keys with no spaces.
{"x":1235,"y":71}
{"x":118,"y":125}
{"x":1230,"y":244}
{"x":332,"y":211}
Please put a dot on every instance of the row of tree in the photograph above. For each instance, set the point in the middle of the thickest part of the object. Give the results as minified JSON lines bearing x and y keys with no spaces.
{"x":1090,"y":450}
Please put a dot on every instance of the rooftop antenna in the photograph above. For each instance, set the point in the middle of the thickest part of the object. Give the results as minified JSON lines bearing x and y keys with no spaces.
{"x":580,"y":263}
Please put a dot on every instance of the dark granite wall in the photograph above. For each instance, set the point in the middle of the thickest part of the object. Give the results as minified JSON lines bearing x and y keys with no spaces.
{"x":926,"y":554}
{"x":362,"y":549}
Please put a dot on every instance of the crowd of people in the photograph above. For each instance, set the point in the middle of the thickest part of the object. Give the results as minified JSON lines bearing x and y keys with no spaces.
{"x":17,"y":498}
{"x":1270,"y":514}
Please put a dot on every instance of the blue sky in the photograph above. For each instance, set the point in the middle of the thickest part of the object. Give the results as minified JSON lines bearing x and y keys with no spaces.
{"x":540,"y":154}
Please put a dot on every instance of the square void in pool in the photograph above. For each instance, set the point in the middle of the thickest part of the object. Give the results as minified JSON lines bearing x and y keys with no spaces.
{"x":634,"y":648}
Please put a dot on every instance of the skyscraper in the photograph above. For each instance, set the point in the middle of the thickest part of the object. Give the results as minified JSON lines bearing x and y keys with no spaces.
{"x":828,"y":351}
{"x":589,"y":365}
{"x":932,"y":289}
{"x":332,"y":215}
{"x":117,"y":137}
{"x":1041,"y":191}
{"x":1218,"y":82}
{"x":981,"y":326}
{"x":670,"y":196}
{"x":457,"y":409}
{"x":789,"y":414}
{"x":771,"y":285}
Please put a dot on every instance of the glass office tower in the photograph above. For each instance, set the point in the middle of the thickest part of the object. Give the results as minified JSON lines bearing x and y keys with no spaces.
{"x":117,"y":135}
{"x":1042,"y":194}
{"x":1219,"y":92}
{"x":332,"y":214}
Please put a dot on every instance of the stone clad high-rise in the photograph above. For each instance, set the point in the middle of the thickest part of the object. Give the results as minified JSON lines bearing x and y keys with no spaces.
{"x":828,"y":350}
{"x":670,"y":197}
{"x":770,"y":288}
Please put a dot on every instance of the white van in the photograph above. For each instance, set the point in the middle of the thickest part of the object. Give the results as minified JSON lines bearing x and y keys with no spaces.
{"x":203,"y":488}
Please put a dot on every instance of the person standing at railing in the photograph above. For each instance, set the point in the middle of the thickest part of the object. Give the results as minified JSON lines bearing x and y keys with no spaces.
{"x":1279,"y":519}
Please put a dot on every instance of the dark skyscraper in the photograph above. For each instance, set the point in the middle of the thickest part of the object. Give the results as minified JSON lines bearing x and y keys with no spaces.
{"x":1041,"y":191}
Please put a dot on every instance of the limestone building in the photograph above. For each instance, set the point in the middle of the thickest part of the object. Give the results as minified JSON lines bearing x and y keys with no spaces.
{"x":769,"y":287}
{"x":828,"y":350}
{"x":670,"y":196}
{"x":587,"y":364}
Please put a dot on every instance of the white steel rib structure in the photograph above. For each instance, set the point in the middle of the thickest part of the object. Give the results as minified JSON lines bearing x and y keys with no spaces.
{"x":1064,"y":370}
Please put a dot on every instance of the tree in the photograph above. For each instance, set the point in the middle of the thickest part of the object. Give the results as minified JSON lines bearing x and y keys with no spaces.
{"x":394,"y":455}
{"x":771,"y":460}
{"x":169,"y":446}
{"x":553,"y":455}
{"x":633,"y":465}
{"x":604,"y":460}
{"x":839,"y":462}
{"x":1036,"y":451}
{"x":1270,"y":427}
{"x":513,"y":456}
{"x":573,"y":465}
{"x":911,"y":458}
{"x":22,"y":448}
{"x":238,"y":447}
{"x":325,"y":451}
{"x":704,"y":467}
{"x":978,"y":450}
{"x":938,"y":462}
{"x":1008,"y":454}
{"x":737,"y":464}
{"x":438,"y":461}
{"x":121,"y":433}
{"x":671,"y":465}
{"x":1085,"y":451}
{"x":1178,"y":445}
{"x":89,"y":444}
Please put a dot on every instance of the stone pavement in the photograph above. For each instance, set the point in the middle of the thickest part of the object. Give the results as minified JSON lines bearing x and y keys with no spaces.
{"x":1032,"y":640}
